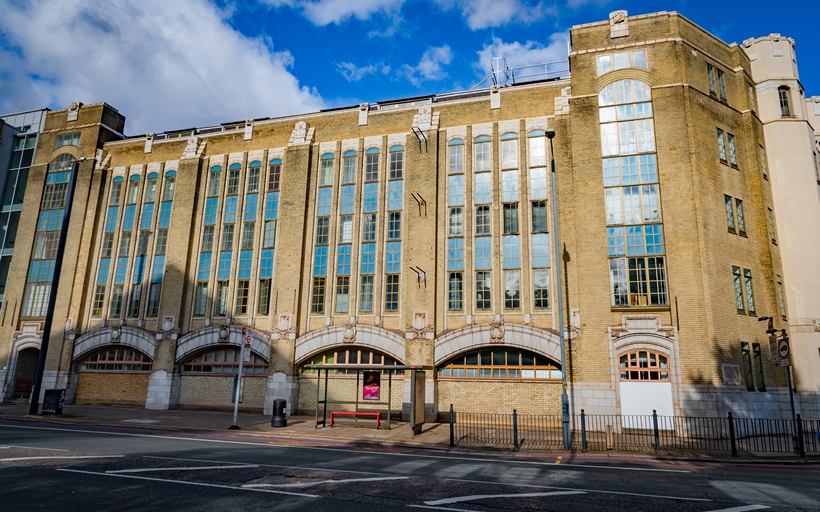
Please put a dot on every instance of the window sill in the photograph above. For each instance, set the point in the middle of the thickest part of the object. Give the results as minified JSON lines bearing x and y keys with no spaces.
{"x":618,"y":309}
{"x":743,"y":234}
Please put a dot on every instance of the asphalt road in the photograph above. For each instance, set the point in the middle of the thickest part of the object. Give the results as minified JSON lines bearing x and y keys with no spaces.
{"x":54,"y":467}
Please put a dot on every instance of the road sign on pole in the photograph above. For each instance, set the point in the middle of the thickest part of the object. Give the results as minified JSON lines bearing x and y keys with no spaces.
{"x":783,"y":351}
{"x":248,"y":340}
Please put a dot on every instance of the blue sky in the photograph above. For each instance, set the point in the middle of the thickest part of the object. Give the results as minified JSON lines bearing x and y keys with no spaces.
{"x":168,"y":64}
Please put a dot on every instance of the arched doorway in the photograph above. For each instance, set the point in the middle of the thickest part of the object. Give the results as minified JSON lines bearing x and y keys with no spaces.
{"x":24,"y":371}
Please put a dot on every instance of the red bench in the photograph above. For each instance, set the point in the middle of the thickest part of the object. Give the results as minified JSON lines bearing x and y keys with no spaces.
{"x":376,"y":415}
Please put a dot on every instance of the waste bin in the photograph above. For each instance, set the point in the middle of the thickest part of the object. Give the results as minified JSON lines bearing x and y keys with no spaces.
{"x":279,"y":418}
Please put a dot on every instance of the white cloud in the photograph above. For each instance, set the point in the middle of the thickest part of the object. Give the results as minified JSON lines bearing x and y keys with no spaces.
{"x":429,"y":67}
{"x":493,"y":13}
{"x":325,"y":12}
{"x":353,"y":73}
{"x":163,"y":64}
{"x":523,"y":54}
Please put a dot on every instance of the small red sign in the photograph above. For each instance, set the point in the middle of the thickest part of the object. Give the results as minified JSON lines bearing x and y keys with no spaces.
{"x":248,"y":340}
{"x":783,"y":349}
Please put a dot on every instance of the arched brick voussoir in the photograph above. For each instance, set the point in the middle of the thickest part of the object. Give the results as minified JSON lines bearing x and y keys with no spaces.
{"x":139,"y":339}
{"x":472,"y":337}
{"x":209,"y":336}
{"x":384,"y":341}
{"x":644,"y":341}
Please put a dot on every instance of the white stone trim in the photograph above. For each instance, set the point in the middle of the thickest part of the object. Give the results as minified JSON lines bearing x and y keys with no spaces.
{"x":396,"y":139}
{"x":456,"y":132}
{"x":348,"y":144}
{"x":118,"y":171}
{"x":513,"y":126}
{"x":135,"y":170}
{"x":380,"y":339}
{"x":216,"y":160}
{"x":172,"y":165}
{"x":475,"y":336}
{"x":153,"y":167}
{"x":209,"y":337}
{"x":327,"y":147}
{"x":534,"y":123}
{"x":373,"y":142}
{"x":236,"y":158}
{"x":482,"y":129}
{"x":143,"y":341}
{"x":257,"y":155}
{"x":276,"y":153}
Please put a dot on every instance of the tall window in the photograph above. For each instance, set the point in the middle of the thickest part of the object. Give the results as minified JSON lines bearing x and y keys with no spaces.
{"x":539,"y":239}
{"x":743,"y":290}
{"x":510,"y":201}
{"x":322,"y":237}
{"x":632,"y":196}
{"x":455,"y":233}
{"x":106,"y":251}
{"x":781,"y":301}
{"x":483,"y":243}
{"x":209,"y":232}
{"x":161,"y":244}
{"x":785,"y":101}
{"x":41,"y":269}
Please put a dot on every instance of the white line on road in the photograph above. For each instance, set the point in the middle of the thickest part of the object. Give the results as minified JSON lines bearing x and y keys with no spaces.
{"x":551,"y":465}
{"x":33,"y":448}
{"x":200,"y":484}
{"x":745,"y":508}
{"x":440,"y":508}
{"x":146,"y":470}
{"x":267,"y":465}
{"x":310,"y":484}
{"x":459,"y":499}
{"x":14,"y":459}
{"x":572,"y":489}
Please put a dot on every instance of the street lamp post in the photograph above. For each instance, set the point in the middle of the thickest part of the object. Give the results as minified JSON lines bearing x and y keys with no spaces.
{"x":557,"y":242}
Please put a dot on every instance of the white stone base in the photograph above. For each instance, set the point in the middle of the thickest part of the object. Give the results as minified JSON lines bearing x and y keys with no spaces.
{"x":5,"y":387}
{"x":163,"y":391}
{"x":53,"y":380}
{"x":593,"y":398}
{"x":430,"y":399}
{"x":712,"y":401}
{"x":282,"y":386}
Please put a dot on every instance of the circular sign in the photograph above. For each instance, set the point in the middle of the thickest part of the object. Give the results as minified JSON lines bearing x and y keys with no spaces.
{"x":248,"y":340}
{"x":783,"y":349}
{"x":244,"y":331}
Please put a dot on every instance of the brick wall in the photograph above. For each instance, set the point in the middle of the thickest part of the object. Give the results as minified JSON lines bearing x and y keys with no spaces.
{"x":499,"y":397}
{"x":343,"y":388}
{"x":214,"y":391}
{"x":111,"y":388}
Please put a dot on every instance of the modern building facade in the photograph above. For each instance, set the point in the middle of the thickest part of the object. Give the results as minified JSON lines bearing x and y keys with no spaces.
{"x":419,"y":232}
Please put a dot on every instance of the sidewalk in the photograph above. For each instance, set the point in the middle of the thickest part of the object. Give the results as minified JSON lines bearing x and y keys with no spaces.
{"x":300,"y":429}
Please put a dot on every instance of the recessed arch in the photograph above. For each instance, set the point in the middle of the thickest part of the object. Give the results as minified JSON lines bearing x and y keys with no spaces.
{"x":132,"y":337}
{"x":472,"y":337}
{"x":209,"y":336}
{"x":315,"y":342}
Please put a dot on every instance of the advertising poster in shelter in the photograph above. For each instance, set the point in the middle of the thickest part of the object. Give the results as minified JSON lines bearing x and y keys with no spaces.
{"x":372,"y":385}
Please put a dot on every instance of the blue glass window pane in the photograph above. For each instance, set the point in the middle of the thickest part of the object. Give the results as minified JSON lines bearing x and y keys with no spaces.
{"x":122,"y":269}
{"x":343,"y":260}
{"x":394,"y":195}
{"x":272,"y":206}
{"x":540,"y":250}
{"x":323,"y":207}
{"x":158,"y":269}
{"x":455,"y":254}
{"x":512,"y":252}
{"x":615,"y":241}
{"x":210,"y":210}
{"x":654,"y":239}
{"x":147,"y":216}
{"x":230,"y":209}
{"x":224,"y":270}
{"x":483,"y":253}
{"x":139,"y":269}
{"x":320,"y":261}
{"x":245,"y":264}
{"x":204,"y":267}
{"x":368,"y":265}
{"x":102,"y":276}
{"x":250,"y":207}
{"x":128,"y":218}
{"x":393,"y":264}
{"x":111,"y":220}
{"x":346,"y":204}
{"x":165,"y":215}
{"x":266,"y":265}
{"x":371,"y":198}
{"x":634,"y":241}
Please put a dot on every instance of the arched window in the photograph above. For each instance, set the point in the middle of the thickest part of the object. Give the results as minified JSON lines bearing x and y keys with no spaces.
{"x":501,"y":363}
{"x":224,"y":360}
{"x":371,"y":165}
{"x":61,"y":163}
{"x":233,"y":178}
{"x":254,"y":170}
{"x":396,"y":162}
{"x":351,"y":356}
{"x":213,"y":181}
{"x":783,"y":93}
{"x":644,"y":365}
{"x":275,"y":175}
{"x":117,"y":359}
{"x":632,"y":195}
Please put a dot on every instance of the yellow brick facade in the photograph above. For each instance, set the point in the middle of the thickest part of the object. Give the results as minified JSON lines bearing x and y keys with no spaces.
{"x":696,"y":325}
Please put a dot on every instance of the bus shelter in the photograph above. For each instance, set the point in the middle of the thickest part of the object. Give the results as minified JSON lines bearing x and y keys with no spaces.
{"x":368,"y":392}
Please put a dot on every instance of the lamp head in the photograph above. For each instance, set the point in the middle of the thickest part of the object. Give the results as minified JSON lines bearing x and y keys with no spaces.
{"x":550,"y":132}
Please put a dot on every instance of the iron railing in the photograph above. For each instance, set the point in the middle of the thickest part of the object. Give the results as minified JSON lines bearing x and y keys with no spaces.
{"x":636,"y":433}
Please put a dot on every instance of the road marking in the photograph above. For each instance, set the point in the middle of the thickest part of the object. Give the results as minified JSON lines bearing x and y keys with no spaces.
{"x":440,"y":508}
{"x":310,"y":484}
{"x":459,"y":499}
{"x":145,"y":470}
{"x":268,"y":465}
{"x":584,"y":490}
{"x":14,"y":459}
{"x":33,"y":448}
{"x":342,"y":450}
{"x":745,"y":508}
{"x":200,"y":484}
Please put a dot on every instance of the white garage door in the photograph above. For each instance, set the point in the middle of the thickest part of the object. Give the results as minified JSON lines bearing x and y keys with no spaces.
{"x":641,"y":398}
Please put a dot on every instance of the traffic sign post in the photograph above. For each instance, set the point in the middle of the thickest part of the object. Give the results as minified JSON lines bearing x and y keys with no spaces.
{"x":239,"y":376}
{"x":783,"y":351}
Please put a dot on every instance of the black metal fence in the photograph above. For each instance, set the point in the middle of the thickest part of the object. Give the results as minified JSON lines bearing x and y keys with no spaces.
{"x":636,"y":433}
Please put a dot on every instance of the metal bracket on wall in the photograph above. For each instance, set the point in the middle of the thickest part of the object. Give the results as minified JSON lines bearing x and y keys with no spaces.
{"x":421,"y":136}
{"x":422,"y":204}
{"x":420,"y":275}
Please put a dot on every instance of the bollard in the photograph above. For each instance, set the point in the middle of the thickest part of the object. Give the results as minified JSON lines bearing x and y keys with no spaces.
{"x":732,"y":435}
{"x":515,"y":430}
{"x":583,"y":431}
{"x":609,"y":442}
{"x":801,"y":448}
{"x":655,"y":426}
{"x":279,"y":418}
{"x":452,"y":422}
